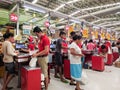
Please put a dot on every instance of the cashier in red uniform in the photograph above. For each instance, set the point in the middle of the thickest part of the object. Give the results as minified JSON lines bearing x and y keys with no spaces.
{"x":31,"y":45}
{"x":42,"y":54}
{"x":107,"y":43}
{"x":103,"y":51}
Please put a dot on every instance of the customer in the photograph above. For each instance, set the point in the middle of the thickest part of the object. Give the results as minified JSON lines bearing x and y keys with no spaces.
{"x":42,"y":54}
{"x":75,"y":62}
{"x":103,"y":51}
{"x":58,"y":56}
{"x":8,"y":52}
{"x":71,"y":36}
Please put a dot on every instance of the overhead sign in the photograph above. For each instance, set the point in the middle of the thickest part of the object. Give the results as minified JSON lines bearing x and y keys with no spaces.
{"x":67,"y":27}
{"x":47,"y":24}
{"x":85,"y":33}
{"x":13,"y":17}
{"x":27,"y":27}
{"x":25,"y":31}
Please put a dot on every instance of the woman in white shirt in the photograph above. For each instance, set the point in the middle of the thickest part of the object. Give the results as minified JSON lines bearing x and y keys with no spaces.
{"x":75,"y":63}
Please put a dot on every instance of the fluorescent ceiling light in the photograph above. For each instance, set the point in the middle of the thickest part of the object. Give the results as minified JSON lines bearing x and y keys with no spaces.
{"x":61,"y":19}
{"x":62,"y":5}
{"x":74,"y":13}
{"x":72,"y":1}
{"x":75,"y":21}
{"x":117,"y":12}
{"x":103,"y":6}
{"x":26,"y":9}
{"x":27,"y":6}
{"x":34,"y":1}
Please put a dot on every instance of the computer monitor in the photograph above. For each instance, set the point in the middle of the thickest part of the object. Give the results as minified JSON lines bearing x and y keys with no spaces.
{"x":20,"y":45}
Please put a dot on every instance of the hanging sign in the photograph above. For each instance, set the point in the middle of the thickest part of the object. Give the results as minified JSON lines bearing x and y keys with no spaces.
{"x":108,"y":36}
{"x":67,"y":27}
{"x":103,"y":35}
{"x":85,"y":33}
{"x":13,"y":17}
{"x":47,"y":24}
{"x":27,"y":29}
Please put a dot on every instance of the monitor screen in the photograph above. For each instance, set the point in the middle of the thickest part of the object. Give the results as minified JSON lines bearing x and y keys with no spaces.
{"x":20,"y":45}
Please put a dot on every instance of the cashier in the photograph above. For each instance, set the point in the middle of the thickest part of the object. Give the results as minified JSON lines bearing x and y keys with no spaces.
{"x":103,"y":51}
{"x":31,"y":45}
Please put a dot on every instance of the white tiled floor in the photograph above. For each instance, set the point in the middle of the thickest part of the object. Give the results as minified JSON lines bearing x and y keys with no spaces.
{"x":107,"y":80}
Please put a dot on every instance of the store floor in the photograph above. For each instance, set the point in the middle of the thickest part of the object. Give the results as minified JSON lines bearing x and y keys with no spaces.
{"x":107,"y":80}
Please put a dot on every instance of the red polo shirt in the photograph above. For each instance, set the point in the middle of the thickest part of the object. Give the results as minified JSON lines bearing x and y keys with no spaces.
{"x":44,"y":41}
{"x":100,"y":50}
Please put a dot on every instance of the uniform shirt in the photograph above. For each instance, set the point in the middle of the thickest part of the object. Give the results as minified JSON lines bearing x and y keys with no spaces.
{"x":90,"y":46}
{"x":108,"y":44}
{"x":64,"y":43}
{"x":100,"y":50}
{"x":8,"y":52}
{"x":44,"y":41}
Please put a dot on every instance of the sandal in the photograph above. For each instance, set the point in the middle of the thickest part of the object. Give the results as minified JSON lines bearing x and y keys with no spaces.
{"x":9,"y":88}
{"x":72,"y":83}
{"x":56,"y":76}
{"x":64,"y":81}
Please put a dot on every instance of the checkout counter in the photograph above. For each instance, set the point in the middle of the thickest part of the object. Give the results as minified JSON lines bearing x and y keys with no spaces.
{"x":22,"y":60}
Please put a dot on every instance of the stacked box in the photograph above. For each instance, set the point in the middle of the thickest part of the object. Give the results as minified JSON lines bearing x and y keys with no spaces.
{"x":2,"y":71}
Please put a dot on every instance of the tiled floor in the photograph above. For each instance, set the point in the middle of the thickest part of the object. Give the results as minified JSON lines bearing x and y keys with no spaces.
{"x":107,"y":80}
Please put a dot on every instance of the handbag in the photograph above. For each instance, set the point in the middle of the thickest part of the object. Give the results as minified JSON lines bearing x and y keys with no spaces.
{"x":33,"y":62}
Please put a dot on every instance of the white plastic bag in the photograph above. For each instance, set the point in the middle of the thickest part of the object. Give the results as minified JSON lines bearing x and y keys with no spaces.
{"x":84,"y":77}
{"x":32,"y":62}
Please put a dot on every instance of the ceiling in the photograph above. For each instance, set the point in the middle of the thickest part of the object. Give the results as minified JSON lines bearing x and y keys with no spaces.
{"x":104,"y":13}
{"x":99,"y":12}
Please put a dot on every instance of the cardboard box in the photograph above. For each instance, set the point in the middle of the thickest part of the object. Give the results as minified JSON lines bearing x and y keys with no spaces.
{"x":117,"y":64}
{"x":2,"y":71}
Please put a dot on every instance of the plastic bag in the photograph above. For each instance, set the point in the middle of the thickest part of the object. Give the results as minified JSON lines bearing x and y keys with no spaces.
{"x":32,"y":62}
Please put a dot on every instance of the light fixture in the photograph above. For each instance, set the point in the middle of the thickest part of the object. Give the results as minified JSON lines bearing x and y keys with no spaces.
{"x":34,"y":1}
{"x":72,"y":1}
{"x":103,"y":6}
{"x":33,"y":7}
{"x":26,"y":9}
{"x":117,"y":13}
{"x":62,"y":5}
{"x":75,"y":21}
{"x":74,"y":13}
